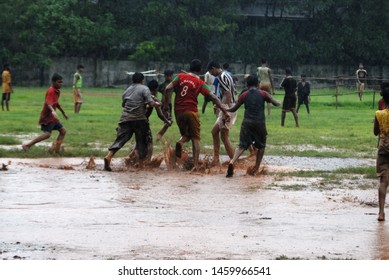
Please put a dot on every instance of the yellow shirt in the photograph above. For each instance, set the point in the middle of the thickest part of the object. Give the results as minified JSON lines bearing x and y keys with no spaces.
{"x":6,"y":76}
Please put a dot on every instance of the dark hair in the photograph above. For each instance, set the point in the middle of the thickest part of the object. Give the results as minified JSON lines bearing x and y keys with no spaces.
{"x":137,"y":78}
{"x":288,"y":71}
{"x":56,"y":77}
{"x":385,"y":95}
{"x":168,"y":72}
{"x":195,"y":65}
{"x":6,"y":66}
{"x":252,"y":81}
{"x":303,"y":76}
{"x":263,"y":61}
{"x":213,"y":64}
{"x":79,"y":66}
{"x":153,"y":85}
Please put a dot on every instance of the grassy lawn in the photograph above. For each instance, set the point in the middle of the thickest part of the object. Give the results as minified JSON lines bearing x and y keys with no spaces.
{"x":326,"y":132}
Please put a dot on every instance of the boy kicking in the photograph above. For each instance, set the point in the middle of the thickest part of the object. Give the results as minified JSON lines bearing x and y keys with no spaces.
{"x":49,"y":119}
{"x":253,"y":129}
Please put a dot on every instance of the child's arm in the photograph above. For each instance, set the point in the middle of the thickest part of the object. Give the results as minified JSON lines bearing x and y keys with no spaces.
{"x":62,"y":111}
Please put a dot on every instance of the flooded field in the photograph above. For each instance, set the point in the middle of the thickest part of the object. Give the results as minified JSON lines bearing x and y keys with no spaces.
{"x":56,"y":208}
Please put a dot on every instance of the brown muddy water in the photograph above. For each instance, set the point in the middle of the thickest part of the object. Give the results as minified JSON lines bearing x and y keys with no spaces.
{"x":57,"y":209}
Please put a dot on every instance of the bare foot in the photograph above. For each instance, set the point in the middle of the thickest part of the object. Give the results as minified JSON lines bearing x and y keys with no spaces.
{"x":230,"y":170}
{"x":178,"y":149}
{"x":25,"y":148}
{"x":107,"y":166}
{"x":381,"y":217}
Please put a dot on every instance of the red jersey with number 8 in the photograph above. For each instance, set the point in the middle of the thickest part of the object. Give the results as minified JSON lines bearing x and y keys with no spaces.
{"x":187,"y":88}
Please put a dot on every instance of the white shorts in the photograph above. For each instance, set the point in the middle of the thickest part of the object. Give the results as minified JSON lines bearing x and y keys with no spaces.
{"x":226,"y":125}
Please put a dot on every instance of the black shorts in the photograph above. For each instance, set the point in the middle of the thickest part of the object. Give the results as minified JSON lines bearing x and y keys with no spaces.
{"x":51,"y":126}
{"x":252,"y":133}
{"x":126,"y":130}
{"x":289,"y":102}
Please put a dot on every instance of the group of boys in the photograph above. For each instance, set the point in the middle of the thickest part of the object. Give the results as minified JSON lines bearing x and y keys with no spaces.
{"x":138,"y":101}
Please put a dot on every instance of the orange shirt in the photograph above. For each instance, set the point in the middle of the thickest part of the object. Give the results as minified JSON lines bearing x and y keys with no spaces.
{"x":6,"y":76}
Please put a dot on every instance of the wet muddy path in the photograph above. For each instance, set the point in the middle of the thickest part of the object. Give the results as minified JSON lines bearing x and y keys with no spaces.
{"x":56,"y":209}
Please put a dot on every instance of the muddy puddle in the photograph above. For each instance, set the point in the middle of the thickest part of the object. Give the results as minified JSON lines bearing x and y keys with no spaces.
{"x":57,"y":209}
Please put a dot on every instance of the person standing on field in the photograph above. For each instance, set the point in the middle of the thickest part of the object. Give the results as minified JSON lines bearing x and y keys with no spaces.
{"x":77,"y":85}
{"x":289,"y":84}
{"x":7,"y":88}
{"x":361,"y":80}
{"x":303,"y":93}
{"x":381,"y":129}
{"x":209,"y":80}
{"x":266,"y":80}
{"x":187,"y":87}
{"x":253,"y":130}
{"x":49,"y":119}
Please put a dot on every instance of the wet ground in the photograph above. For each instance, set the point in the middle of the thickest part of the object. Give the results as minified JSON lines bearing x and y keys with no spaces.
{"x":57,"y":209}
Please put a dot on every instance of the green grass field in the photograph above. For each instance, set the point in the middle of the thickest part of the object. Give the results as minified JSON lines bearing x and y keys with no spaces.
{"x":326,"y":132}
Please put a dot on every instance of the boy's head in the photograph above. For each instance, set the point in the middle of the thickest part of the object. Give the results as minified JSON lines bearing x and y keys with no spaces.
{"x":153,"y":86}
{"x":168,"y":75}
{"x":252,"y":81}
{"x":138,"y":78}
{"x":303,"y":77}
{"x":385,"y":91}
{"x":263,"y":61}
{"x":6,"y":66}
{"x":213,"y":68}
{"x":57,"y":80}
{"x":288,"y":71}
{"x":80,"y":68}
{"x":195,"y":66}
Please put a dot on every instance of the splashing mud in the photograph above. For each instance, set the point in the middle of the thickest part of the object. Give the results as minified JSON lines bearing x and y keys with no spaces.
{"x":48,"y":211}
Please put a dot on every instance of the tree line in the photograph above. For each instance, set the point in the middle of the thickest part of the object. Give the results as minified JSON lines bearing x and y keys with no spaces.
{"x":286,"y":32}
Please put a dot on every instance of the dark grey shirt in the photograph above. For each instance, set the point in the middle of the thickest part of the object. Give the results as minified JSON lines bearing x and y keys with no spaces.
{"x":135,"y":99}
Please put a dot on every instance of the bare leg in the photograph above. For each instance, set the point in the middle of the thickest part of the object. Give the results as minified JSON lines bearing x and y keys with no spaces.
{"x":258,"y":160}
{"x":196,"y":152}
{"x":108,"y":159}
{"x":283,"y":115}
{"x":381,"y":197}
{"x":296,"y":118}
{"x":58,"y":142}
{"x":162,"y":132}
{"x":38,"y":139}
{"x":179,"y":144}
{"x":238,"y":152}
{"x":307,"y":105}
{"x":227,"y":144}
{"x":216,"y":144}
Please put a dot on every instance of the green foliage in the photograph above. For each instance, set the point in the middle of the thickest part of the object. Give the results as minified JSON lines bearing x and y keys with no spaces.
{"x":286,"y":32}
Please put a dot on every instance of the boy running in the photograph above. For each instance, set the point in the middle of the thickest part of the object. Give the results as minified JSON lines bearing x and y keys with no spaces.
{"x":222,"y":127}
{"x":133,"y":120}
{"x":253,"y":130}
{"x":188,"y":86}
{"x":49,"y":119}
{"x":381,"y":129}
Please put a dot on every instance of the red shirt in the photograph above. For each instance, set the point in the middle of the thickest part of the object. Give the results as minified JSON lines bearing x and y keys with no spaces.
{"x":187,"y":88}
{"x":52,"y":96}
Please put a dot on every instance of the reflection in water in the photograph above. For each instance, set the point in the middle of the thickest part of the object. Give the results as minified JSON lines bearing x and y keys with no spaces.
{"x":382,"y":246}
